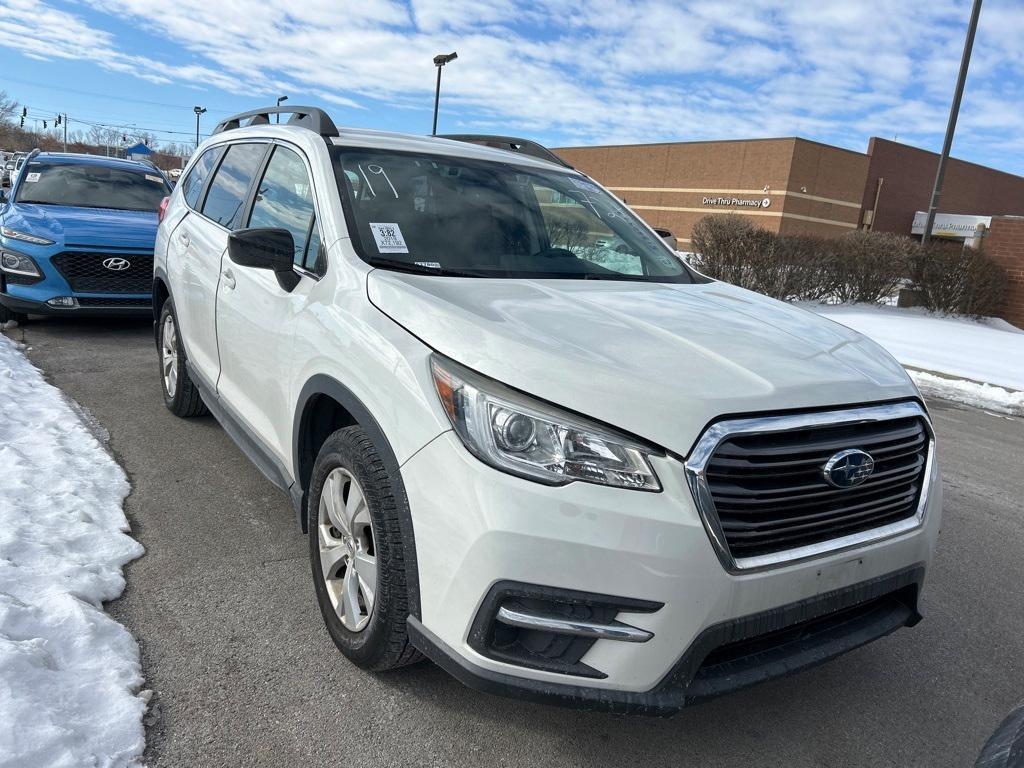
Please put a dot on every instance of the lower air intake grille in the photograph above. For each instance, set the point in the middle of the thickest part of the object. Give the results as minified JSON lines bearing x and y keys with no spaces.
{"x":124,"y":273}
{"x":113,"y":302}
{"x":766,"y":491}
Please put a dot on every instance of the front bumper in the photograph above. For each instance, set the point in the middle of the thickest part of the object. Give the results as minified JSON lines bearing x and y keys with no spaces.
{"x":476,"y":527}
{"x":141,"y":306}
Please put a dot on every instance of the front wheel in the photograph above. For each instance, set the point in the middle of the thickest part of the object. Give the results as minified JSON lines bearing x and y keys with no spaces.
{"x":356,"y":552}
{"x":181,"y":395}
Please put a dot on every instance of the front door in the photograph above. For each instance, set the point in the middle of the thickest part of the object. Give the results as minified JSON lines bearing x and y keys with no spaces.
{"x":202,"y":239}
{"x":255,"y":315}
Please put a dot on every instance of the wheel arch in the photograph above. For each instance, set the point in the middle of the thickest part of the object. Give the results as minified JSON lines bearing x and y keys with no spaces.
{"x":161,"y":293}
{"x":325,"y":405}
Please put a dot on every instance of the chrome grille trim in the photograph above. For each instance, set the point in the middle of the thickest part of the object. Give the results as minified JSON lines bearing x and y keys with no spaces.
{"x":696,"y":476}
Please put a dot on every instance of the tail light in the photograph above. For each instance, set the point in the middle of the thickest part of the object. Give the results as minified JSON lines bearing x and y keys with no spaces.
{"x":162,"y":210}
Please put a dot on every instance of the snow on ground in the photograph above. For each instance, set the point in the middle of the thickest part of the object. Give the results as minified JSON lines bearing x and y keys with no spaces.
{"x":70,"y":677}
{"x":989,"y":354}
{"x":970,"y":393}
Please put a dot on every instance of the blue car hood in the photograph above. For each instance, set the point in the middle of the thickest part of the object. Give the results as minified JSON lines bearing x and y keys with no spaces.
{"x":84,"y":227}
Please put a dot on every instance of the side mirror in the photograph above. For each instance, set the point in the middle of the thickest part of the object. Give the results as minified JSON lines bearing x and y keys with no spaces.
{"x":3,"y":196}
{"x":668,"y":237}
{"x":265,"y":248}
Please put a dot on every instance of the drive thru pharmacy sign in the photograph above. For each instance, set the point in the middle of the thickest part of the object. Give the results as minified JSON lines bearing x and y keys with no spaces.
{"x":950,"y":224}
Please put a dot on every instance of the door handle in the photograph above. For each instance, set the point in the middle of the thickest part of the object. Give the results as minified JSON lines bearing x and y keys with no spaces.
{"x":229,"y":279}
{"x":184,"y":239}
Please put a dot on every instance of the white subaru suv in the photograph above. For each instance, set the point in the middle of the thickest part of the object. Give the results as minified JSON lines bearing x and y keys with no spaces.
{"x":524,"y":438}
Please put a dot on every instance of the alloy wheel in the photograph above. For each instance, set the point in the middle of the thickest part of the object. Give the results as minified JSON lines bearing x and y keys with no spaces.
{"x":169,"y":355}
{"x":348,"y":558}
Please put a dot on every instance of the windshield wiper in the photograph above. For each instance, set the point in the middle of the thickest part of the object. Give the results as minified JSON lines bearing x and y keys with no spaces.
{"x":419,"y":269}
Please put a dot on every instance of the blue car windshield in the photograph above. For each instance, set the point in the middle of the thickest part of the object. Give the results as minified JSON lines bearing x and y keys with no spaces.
{"x":91,"y":186}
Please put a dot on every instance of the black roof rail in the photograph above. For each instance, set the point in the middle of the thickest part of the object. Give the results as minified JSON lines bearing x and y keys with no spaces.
{"x":313,"y":118}
{"x":510,"y":144}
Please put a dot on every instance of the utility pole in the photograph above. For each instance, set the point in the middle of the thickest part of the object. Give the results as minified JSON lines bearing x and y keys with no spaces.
{"x":954,"y":112}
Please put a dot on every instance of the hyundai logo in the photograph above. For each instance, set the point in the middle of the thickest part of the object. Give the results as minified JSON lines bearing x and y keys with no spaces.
{"x":848,"y":468}
{"x":116,"y":264}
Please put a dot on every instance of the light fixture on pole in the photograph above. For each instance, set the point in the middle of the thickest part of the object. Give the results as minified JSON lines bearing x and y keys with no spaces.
{"x":277,"y":117}
{"x":198,"y":111}
{"x":439,"y":61}
{"x":954,"y":112}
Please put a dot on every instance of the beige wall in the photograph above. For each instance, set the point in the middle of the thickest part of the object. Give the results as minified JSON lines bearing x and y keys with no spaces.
{"x":667,"y":183}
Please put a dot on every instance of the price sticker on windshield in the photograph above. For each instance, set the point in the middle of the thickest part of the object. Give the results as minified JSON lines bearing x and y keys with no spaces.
{"x":389,"y":238}
{"x":32,"y":178}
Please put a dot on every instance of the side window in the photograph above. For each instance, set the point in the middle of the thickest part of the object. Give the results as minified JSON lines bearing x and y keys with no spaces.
{"x":284,"y":200}
{"x":230,"y":185}
{"x":313,"y":260}
{"x":193,"y":183}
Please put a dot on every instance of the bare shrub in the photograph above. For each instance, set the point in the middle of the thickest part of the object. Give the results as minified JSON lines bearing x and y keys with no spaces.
{"x":730,"y":248}
{"x":957,"y":280}
{"x":722,"y":246}
{"x":858,"y":267}
{"x":869,"y":266}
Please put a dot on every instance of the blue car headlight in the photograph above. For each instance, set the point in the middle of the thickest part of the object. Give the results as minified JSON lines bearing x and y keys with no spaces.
{"x":14,"y":234}
{"x":18,"y":264}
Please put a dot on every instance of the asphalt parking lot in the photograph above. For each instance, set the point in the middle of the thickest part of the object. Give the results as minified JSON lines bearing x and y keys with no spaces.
{"x":244,"y":673}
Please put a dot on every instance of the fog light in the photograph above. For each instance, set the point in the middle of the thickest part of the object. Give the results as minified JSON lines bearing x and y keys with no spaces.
{"x":63,"y":301}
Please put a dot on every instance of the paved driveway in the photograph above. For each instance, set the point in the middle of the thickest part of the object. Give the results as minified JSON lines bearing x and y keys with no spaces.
{"x":244,"y":674}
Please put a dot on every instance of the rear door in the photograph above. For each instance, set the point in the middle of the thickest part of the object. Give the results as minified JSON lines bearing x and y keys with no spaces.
{"x":256,"y":316}
{"x":202,"y":239}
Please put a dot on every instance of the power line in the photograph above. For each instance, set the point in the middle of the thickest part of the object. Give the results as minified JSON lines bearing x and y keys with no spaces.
{"x":112,"y":98}
{"x":126,"y":127}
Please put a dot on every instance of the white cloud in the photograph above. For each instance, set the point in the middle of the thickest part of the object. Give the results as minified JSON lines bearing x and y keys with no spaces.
{"x":594,"y":70}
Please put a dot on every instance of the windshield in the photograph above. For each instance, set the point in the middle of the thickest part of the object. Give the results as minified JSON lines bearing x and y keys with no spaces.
{"x":463,"y":217}
{"x":91,"y":186}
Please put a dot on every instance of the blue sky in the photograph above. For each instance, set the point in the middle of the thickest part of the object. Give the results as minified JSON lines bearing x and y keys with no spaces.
{"x":563,"y":71}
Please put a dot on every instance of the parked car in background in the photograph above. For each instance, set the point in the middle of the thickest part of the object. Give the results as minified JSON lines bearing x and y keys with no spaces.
{"x":564,"y":470}
{"x":76,"y":236}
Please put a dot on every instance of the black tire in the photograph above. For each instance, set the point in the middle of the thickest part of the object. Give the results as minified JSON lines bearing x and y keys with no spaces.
{"x":384,"y":642}
{"x":186,"y":401}
{"x":7,"y":315}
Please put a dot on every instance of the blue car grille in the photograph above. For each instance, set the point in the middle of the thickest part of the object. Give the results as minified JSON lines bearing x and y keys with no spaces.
{"x":85,"y":272}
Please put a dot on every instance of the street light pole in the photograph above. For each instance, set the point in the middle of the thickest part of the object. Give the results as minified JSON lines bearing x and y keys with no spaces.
{"x":277,"y":117}
{"x":198,"y":111}
{"x":439,"y":61}
{"x":954,"y":112}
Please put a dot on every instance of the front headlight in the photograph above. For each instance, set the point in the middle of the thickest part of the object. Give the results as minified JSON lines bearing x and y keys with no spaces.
{"x":16,"y":264}
{"x":24,"y":236}
{"x":529,"y":438}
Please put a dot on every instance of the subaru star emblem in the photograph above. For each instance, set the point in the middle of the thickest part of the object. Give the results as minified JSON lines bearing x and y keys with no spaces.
{"x":116,"y":264}
{"x":848,"y":468}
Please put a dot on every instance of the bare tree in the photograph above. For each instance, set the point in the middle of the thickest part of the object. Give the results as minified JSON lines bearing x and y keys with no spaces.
{"x":7,"y":107}
{"x":101,"y":136}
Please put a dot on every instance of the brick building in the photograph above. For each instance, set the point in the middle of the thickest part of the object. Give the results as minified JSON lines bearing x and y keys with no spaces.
{"x":793,"y":185}
{"x":1005,"y":244}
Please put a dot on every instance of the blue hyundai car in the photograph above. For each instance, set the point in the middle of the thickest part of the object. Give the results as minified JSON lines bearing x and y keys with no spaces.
{"x":77,"y":235}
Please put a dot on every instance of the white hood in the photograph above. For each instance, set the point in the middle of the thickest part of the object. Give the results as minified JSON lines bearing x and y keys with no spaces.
{"x":658,"y":360}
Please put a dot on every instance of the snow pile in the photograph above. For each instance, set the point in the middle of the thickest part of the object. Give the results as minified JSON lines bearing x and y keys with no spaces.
{"x":70,"y":676}
{"x":970,"y":392}
{"x":977,"y":362}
